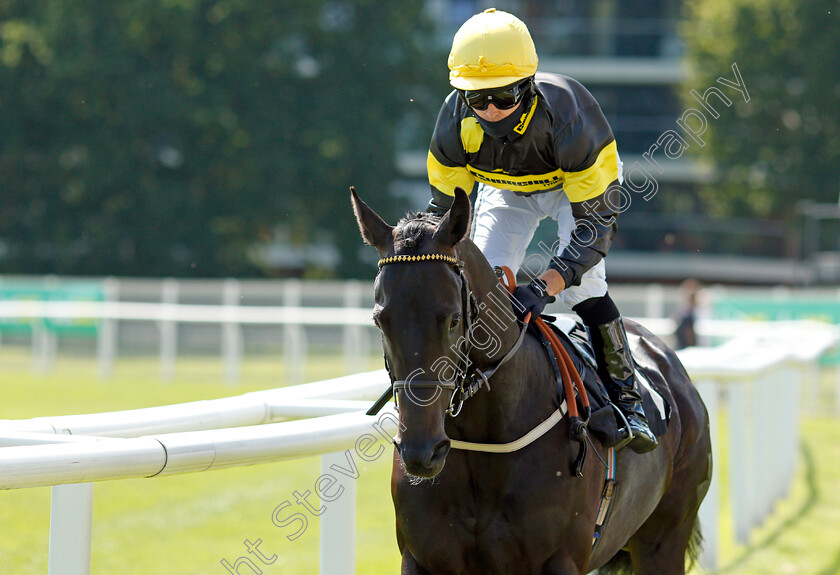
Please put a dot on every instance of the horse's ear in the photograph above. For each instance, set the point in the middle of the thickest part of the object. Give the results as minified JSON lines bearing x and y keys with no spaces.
{"x":374,"y":230}
{"x":455,"y":224}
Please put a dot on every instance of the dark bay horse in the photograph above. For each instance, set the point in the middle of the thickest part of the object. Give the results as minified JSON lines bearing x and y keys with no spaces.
{"x":441,"y":309}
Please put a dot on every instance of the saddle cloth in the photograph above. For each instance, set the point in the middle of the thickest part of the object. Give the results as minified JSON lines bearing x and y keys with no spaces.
{"x":604,"y":423}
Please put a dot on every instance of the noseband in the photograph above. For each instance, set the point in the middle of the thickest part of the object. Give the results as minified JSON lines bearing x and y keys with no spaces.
{"x":467,"y":382}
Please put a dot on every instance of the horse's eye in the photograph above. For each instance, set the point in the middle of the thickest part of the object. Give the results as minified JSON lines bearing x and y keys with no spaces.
{"x":456,"y":319}
{"x":376,"y":322}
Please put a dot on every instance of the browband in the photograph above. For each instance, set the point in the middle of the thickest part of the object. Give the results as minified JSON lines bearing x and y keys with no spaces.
{"x":418,"y":258}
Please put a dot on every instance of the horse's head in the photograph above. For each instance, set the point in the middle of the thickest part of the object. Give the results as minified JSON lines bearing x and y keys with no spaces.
{"x":423,"y":308}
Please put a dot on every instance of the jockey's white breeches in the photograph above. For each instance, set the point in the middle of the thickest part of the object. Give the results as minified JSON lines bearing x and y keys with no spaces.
{"x":504,"y":224}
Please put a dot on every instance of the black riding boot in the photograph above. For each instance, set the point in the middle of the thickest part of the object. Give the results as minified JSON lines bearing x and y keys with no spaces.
{"x":610,"y":341}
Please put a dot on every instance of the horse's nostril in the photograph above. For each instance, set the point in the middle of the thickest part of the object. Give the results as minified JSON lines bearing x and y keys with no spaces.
{"x":439,"y":452}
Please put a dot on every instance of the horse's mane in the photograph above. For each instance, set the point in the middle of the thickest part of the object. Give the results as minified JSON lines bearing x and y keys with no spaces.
{"x":417,"y":222}
{"x":414,"y":233}
{"x":417,"y":228}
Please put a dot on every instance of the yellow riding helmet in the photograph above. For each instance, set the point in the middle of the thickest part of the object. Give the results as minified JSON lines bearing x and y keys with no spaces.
{"x":492,"y":49}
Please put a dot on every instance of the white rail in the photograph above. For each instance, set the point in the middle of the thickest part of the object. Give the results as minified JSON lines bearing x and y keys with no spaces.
{"x":185,"y":313}
{"x":756,"y":376}
{"x":308,"y":400}
{"x":152,"y":441}
{"x":168,"y":315}
{"x":99,"y":459}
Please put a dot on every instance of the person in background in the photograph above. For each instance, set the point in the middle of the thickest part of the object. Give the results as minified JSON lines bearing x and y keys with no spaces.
{"x":687,"y":316}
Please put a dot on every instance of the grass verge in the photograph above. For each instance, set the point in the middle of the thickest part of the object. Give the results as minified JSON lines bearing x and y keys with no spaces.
{"x":187,"y":524}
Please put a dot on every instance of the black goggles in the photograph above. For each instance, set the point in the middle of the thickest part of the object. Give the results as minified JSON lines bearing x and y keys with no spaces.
{"x":503,"y":98}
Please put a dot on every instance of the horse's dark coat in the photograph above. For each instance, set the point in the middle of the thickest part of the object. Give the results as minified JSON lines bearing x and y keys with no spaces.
{"x":523,"y":512}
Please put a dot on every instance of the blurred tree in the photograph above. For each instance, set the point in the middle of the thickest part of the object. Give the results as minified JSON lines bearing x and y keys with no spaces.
{"x":784,"y":144}
{"x":166,"y":137}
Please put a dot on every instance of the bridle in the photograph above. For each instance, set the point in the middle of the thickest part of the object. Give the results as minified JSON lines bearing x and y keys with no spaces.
{"x":468,"y":380}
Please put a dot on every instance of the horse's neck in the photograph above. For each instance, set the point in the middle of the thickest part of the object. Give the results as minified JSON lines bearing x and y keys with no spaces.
{"x":520,"y":396}
{"x":495,"y":329}
{"x":516,"y":401}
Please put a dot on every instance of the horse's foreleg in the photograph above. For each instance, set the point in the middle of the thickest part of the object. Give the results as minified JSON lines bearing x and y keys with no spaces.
{"x":410,"y":566}
{"x":561,"y":565}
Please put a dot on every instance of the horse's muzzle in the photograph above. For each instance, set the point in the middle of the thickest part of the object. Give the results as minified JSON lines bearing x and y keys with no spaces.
{"x":422,"y":460}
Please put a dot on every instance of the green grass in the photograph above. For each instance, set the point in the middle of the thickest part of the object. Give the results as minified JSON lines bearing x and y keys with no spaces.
{"x":182,"y":524}
{"x":186,"y":524}
{"x":803,"y":535}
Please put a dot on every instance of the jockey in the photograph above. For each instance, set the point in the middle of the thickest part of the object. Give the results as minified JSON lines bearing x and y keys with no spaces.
{"x":536,"y":145}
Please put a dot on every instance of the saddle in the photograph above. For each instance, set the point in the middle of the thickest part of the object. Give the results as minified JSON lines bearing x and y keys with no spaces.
{"x":606,"y":421}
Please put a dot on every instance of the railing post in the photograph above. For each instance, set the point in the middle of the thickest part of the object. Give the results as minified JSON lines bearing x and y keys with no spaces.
{"x":106,"y":341}
{"x":762,"y":451}
{"x":168,"y":330}
{"x":837,"y":389}
{"x":709,"y":514}
{"x":338,"y":523}
{"x":655,"y":301}
{"x":355,"y":338}
{"x":46,"y":339}
{"x":231,"y":332}
{"x":740,"y":472}
{"x":811,"y":389}
{"x":71,"y":522}
{"x":44,"y":347}
{"x":294,"y":334}
{"x":791,"y":390}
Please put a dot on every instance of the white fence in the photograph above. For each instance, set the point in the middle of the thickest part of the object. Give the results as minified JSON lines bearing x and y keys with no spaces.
{"x":356,"y":322}
{"x":171,"y":314}
{"x":188,"y":437}
{"x":755,"y":381}
{"x":756,"y":376}
{"x":176,"y":317}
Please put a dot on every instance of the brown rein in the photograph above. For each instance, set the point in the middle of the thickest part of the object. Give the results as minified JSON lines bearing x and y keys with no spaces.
{"x":572,"y":384}
{"x":571,"y":377}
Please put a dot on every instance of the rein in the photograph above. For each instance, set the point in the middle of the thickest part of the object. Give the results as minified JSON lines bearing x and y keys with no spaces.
{"x":573,"y":387}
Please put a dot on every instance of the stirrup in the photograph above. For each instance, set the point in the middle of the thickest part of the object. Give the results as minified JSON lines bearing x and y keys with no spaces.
{"x":644,"y":440}
{"x":628,"y":437}
{"x":626,"y":432}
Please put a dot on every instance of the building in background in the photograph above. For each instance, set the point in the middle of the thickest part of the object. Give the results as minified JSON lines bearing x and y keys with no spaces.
{"x":629,"y":54}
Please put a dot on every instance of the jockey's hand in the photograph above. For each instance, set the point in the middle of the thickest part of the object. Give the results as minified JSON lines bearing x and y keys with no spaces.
{"x":532,"y":298}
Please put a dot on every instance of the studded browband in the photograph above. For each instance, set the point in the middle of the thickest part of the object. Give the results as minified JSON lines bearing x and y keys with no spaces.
{"x":418,"y":258}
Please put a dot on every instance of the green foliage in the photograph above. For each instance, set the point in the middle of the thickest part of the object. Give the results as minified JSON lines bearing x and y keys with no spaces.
{"x":165,"y":137}
{"x":784,"y":144}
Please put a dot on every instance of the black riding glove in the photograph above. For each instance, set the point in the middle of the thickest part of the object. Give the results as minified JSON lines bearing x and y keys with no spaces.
{"x":532,"y":297}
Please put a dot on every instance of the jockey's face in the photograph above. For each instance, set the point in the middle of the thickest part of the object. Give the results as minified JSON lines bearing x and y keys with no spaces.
{"x":493,"y":114}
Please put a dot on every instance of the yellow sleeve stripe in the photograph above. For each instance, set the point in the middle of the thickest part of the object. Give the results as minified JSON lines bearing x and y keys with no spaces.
{"x":446,"y":179}
{"x":594,"y":180}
